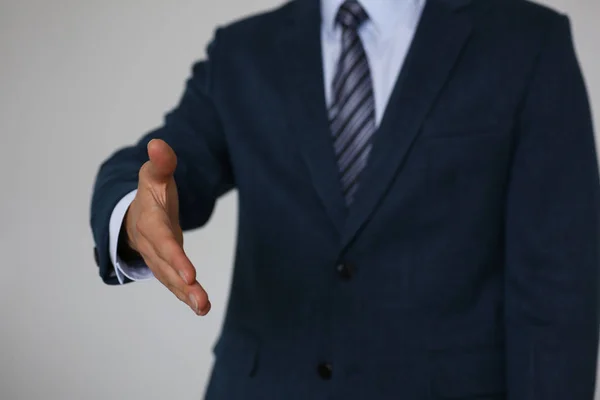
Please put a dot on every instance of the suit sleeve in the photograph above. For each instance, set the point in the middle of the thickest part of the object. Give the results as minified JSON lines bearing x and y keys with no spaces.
{"x":193,"y":129}
{"x":552,"y":234}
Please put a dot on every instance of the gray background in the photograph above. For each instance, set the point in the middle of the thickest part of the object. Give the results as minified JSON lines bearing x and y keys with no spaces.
{"x":77,"y":80}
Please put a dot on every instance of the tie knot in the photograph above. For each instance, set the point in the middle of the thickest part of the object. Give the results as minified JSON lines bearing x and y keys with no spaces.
{"x":351,"y":14}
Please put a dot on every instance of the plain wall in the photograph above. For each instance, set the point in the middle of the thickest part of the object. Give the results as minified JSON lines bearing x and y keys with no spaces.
{"x":77,"y":80}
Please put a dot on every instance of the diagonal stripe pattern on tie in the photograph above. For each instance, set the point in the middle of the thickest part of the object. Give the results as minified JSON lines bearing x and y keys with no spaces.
{"x":352,"y":110}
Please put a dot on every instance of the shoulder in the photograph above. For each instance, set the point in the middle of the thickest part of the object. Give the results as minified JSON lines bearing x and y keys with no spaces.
{"x":255,"y":29}
{"x":518,"y":16}
{"x":523,"y":24}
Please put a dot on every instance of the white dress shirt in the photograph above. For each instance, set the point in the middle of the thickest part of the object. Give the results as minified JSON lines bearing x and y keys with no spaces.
{"x":386,"y":37}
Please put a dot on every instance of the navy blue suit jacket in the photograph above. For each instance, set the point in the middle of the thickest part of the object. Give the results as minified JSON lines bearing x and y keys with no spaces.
{"x":467,"y":266}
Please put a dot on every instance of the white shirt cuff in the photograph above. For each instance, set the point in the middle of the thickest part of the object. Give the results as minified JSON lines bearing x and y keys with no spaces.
{"x":137,"y":271}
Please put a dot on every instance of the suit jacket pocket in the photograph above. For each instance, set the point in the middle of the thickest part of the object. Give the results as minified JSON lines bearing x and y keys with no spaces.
{"x":440,"y":128}
{"x":469,"y":374}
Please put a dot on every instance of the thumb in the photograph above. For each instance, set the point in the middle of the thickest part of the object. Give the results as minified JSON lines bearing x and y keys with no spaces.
{"x":162,"y":160}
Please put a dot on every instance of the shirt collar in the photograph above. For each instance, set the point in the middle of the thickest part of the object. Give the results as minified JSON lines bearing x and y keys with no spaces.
{"x":383,"y":14}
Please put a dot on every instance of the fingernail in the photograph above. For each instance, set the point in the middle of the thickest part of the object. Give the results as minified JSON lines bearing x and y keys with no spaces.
{"x":181,"y":274}
{"x":194,"y":303}
{"x":206,"y":309}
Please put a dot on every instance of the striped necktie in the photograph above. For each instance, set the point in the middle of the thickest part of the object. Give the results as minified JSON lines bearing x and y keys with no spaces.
{"x":352,"y":110}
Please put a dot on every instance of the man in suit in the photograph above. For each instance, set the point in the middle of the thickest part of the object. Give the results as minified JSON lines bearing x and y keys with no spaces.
{"x":418,"y":196}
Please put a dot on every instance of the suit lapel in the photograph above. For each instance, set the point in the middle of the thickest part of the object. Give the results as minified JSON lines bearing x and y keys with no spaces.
{"x":440,"y":36}
{"x":300,"y":69}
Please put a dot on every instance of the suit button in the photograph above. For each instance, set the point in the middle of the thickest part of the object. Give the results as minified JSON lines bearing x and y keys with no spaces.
{"x":325,"y":371}
{"x":345,"y":271}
